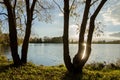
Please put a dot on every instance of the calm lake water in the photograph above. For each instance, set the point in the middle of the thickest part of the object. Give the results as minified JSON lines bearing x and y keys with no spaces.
{"x":52,"y":54}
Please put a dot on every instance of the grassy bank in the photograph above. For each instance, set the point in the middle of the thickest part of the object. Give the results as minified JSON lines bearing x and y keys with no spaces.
{"x":33,"y":72}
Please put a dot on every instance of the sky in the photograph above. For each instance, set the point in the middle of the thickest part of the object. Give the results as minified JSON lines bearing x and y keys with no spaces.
{"x":109,"y":16}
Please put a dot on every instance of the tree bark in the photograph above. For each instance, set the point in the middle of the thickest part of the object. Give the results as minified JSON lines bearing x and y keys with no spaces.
{"x":67,"y":59}
{"x":91,"y":30}
{"x":78,"y":61}
{"x":29,"y":10}
{"x":78,"y":56}
{"x":12,"y":33}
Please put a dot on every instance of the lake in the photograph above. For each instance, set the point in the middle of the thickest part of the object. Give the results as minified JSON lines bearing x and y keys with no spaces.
{"x":52,"y":54}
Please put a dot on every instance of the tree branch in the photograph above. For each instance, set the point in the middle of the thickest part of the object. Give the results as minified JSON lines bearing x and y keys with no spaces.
{"x":33,"y":5}
{"x":98,"y":9}
{"x":58,"y":6}
{"x":72,"y":4}
{"x":93,"y":2}
{"x":34,"y":17}
{"x":4,"y":14}
{"x":14,"y":5}
{"x":41,"y":5}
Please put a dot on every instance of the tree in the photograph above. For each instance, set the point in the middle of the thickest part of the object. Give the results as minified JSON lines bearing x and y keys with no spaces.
{"x":79,"y":61}
{"x":29,"y":11}
{"x":67,"y":58}
{"x":14,"y":10}
{"x":12,"y":31}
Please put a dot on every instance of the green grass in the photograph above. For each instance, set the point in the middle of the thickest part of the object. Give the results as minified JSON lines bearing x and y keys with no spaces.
{"x":33,"y":72}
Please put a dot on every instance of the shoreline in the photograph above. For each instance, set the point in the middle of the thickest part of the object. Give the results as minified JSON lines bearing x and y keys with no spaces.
{"x":32,"y":72}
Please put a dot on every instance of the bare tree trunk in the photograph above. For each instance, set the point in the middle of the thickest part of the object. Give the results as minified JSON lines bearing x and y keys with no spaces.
{"x":25,"y":43}
{"x":78,"y":56}
{"x":29,"y":10}
{"x":12,"y":33}
{"x":91,"y":30}
{"x":78,"y":61}
{"x":67,"y":59}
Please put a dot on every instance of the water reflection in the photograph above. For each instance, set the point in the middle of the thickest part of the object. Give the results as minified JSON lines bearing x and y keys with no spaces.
{"x":52,"y":54}
{"x":46,"y":54}
{"x":84,"y":52}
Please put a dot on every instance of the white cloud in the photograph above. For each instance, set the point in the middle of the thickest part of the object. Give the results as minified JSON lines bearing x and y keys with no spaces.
{"x":113,"y":14}
{"x":107,"y":36}
{"x":73,"y":31}
{"x":60,"y":14}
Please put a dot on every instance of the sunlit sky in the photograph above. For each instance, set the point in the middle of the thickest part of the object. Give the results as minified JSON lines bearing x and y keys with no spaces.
{"x":109,"y":16}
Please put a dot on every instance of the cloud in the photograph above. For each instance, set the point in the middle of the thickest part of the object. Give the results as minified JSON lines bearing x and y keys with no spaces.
{"x":113,"y":14}
{"x":73,"y":31}
{"x":117,"y":34}
{"x":108,"y":36}
{"x":60,"y":14}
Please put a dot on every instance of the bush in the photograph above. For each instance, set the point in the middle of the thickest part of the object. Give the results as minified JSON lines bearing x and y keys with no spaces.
{"x":95,"y":66}
{"x":3,"y":58}
{"x":118,"y":63}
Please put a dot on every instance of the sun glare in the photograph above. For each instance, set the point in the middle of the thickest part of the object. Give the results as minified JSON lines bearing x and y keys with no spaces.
{"x":84,"y":52}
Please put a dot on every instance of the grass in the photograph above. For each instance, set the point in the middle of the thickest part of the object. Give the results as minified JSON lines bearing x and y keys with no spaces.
{"x":30,"y":71}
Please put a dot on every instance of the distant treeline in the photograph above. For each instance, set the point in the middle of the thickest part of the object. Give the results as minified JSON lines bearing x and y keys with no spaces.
{"x":46,"y":40}
{"x":107,"y":42}
{"x":60,"y":40}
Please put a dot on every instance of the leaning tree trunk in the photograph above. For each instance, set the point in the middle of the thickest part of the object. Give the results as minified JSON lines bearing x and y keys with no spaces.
{"x":90,"y":34}
{"x":91,"y":30}
{"x":12,"y":33}
{"x":67,"y":59}
{"x":29,"y":10}
{"x":25,"y":43}
{"x":78,"y":57}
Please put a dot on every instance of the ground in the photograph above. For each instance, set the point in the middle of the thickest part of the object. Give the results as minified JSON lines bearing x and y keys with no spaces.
{"x":34,"y":72}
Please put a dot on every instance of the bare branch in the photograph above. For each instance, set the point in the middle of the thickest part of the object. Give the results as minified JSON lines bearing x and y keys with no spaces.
{"x":36,"y":10}
{"x":58,"y":6}
{"x":14,"y":5}
{"x":3,"y":14}
{"x":32,"y":8}
{"x":41,"y":5}
{"x":33,"y":5}
{"x":93,"y":2}
{"x":98,"y":9}
{"x":34,"y":18}
{"x":72,"y":4}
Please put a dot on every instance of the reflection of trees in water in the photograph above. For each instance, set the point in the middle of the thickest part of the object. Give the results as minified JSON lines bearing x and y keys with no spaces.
{"x":4,"y":50}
